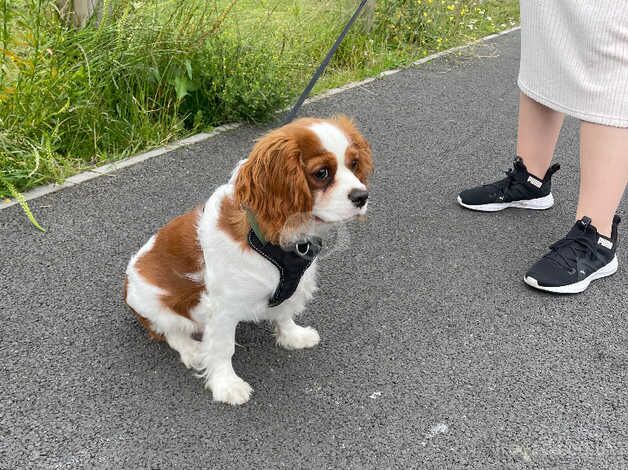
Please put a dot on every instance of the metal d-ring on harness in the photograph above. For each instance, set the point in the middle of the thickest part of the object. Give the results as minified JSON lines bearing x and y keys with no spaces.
{"x":302,"y":249}
{"x":293,"y":263}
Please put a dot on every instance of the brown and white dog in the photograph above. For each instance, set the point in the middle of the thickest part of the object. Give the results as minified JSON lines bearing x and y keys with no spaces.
{"x":200,"y":276}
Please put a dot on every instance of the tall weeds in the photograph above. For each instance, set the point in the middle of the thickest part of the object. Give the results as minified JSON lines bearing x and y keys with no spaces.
{"x":154,"y":70}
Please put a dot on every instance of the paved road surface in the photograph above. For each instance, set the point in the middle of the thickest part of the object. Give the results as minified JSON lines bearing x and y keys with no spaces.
{"x":434,"y":354}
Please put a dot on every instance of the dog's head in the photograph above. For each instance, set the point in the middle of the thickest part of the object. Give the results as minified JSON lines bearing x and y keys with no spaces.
{"x":309,"y":172}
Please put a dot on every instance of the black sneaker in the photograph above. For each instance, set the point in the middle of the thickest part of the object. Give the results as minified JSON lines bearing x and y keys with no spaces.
{"x":518,"y":189}
{"x":573,"y":262}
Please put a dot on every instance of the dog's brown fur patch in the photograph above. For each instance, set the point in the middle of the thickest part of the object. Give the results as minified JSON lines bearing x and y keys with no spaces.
{"x":232,"y":220}
{"x":173,"y":261}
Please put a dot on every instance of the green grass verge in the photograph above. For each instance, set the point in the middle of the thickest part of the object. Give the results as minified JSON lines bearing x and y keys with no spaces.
{"x":157,"y":70}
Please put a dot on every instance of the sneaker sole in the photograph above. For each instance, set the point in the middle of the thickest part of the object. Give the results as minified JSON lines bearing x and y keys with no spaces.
{"x":540,"y":203}
{"x":577,"y":287}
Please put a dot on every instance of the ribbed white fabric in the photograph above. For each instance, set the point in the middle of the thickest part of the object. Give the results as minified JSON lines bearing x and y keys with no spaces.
{"x":574,"y":57}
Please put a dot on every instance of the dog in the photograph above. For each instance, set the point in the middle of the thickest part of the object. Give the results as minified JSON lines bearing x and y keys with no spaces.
{"x":249,"y":253}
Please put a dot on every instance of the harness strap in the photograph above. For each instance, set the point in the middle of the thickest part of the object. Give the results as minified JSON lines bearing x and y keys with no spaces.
{"x":291,"y":264}
{"x":255,"y":226}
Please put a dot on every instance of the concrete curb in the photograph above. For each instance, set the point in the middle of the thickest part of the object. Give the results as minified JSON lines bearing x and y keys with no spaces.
{"x":115,"y":166}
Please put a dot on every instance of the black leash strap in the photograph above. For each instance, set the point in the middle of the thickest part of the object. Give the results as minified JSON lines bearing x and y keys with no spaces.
{"x":321,"y":68}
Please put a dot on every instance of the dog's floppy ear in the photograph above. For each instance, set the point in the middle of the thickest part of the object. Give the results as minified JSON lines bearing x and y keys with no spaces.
{"x":272,"y":185}
{"x":365,"y":167}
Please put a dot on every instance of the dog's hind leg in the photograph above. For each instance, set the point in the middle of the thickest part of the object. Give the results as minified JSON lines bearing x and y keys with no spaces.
{"x":189,"y":349}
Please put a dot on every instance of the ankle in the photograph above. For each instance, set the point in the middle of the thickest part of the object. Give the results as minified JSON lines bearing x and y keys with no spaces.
{"x":605,"y":231}
{"x":536,"y":168}
{"x":603,"y":225}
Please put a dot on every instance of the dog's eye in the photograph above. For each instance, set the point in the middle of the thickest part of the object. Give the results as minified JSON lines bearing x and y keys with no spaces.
{"x":322,"y":174}
{"x":354,"y":164}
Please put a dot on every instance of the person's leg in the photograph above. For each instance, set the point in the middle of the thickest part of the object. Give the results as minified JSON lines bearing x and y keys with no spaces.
{"x":603,"y":173}
{"x":584,"y":255}
{"x":528,"y":185}
{"x":539,"y":127}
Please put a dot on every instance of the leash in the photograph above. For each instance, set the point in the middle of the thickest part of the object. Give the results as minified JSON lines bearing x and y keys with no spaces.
{"x":321,"y":68}
{"x":292,"y":264}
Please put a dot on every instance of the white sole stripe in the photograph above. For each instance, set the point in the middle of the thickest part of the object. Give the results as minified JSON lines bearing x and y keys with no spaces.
{"x":580,"y":286}
{"x":540,"y":203}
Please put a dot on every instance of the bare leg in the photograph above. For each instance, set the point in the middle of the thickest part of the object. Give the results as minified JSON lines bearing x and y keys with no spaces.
{"x":603,"y":173}
{"x":539,"y":127}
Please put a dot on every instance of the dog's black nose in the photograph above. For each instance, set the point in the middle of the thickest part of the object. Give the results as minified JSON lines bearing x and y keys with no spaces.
{"x":358,"y":197}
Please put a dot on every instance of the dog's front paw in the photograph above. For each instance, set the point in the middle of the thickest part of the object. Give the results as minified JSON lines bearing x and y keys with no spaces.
{"x":230,"y":389}
{"x":298,"y":338}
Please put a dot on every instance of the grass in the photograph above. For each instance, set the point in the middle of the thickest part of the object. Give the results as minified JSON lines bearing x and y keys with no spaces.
{"x":156,"y":70}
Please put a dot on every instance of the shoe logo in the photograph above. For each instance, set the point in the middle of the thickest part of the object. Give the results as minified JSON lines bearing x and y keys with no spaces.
{"x":534,"y":182}
{"x":605,"y":243}
{"x":581,"y":270}
{"x":585,"y":268}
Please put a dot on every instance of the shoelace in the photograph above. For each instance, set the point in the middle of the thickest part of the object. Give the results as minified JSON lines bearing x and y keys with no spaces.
{"x":566,"y":251}
{"x":503,"y":185}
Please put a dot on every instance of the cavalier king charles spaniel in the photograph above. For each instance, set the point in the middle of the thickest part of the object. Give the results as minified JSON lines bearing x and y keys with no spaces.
{"x":249,"y":253}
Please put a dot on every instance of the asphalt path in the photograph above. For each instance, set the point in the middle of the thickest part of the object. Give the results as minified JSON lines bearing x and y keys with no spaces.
{"x":434,"y":353}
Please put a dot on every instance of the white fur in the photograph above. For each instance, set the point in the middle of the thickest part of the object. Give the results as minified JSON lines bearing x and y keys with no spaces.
{"x":238,"y":284}
{"x":334,"y":204}
{"x":144,"y":298}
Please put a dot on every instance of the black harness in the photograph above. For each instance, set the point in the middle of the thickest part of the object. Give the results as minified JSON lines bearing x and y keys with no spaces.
{"x":291,"y":264}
